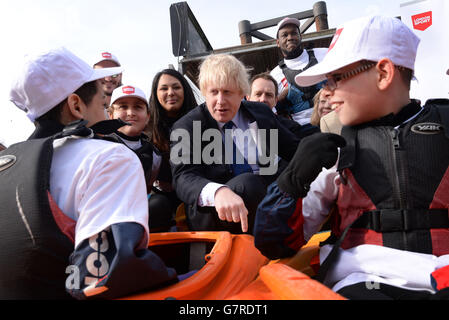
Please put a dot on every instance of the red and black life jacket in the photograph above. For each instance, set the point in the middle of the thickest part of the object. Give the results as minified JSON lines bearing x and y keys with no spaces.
{"x":395,"y":189}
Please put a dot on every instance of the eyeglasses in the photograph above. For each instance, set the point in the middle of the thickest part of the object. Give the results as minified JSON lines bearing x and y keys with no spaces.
{"x":332,"y":80}
{"x":114,"y":76}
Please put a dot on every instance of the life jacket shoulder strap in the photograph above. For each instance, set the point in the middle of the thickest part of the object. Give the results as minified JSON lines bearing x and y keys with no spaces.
{"x":290,"y":74}
{"x":442,"y":105}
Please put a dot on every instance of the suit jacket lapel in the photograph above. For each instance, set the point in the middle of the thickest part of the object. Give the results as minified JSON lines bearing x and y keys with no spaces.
{"x":209,"y":122}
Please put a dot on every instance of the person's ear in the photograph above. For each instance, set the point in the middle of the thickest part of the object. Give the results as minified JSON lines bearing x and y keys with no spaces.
{"x":110,"y":112}
{"x":76,"y":106}
{"x":385,"y":73}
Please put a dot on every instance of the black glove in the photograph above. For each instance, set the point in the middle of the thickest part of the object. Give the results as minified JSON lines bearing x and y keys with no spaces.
{"x":314,"y":152}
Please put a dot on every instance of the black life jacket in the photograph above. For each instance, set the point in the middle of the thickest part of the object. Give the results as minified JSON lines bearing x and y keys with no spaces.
{"x":34,"y":252}
{"x":34,"y":247}
{"x":395,"y":192}
{"x":290,"y":74}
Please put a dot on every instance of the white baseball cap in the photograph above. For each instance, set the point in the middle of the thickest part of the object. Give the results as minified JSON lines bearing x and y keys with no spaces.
{"x":128,"y":91}
{"x":368,"y":38}
{"x":45,"y":80}
{"x":286,"y":21}
{"x":107,"y":56}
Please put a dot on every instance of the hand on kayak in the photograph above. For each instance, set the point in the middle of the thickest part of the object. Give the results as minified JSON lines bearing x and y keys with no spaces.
{"x":230,"y":207}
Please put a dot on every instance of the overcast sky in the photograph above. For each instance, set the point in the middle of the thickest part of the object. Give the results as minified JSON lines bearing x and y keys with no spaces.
{"x":137,"y":32}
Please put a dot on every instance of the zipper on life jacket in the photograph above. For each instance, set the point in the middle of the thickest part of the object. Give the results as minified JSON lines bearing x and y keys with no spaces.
{"x":398,"y":178}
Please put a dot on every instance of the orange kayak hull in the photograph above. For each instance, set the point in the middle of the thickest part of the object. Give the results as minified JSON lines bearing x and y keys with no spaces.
{"x":232,"y":264}
{"x":235,"y":270}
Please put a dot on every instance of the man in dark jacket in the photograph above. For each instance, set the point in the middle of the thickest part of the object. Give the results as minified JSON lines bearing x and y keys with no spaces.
{"x":264,"y":88}
{"x":223,"y":181}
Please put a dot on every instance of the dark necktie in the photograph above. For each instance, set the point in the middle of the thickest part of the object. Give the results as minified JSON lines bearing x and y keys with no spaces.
{"x":237,"y":168}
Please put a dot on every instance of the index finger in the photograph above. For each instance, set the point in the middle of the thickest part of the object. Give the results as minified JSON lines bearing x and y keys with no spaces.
{"x":244,"y":220}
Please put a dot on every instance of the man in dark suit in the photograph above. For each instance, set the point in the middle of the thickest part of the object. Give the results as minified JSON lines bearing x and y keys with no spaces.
{"x":220,"y":192}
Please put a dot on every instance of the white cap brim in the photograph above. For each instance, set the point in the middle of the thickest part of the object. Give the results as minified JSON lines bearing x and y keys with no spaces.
{"x":104,"y":72}
{"x":129,"y":96}
{"x":119,"y":93}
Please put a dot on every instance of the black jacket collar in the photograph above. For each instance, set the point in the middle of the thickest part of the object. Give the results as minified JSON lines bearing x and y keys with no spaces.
{"x":394,"y":120}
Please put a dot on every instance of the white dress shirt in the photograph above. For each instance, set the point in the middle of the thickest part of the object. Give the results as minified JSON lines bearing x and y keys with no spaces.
{"x":246,"y":147}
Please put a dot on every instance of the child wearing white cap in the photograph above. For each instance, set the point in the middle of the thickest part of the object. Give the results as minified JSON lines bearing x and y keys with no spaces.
{"x":388,"y":174}
{"x":130,"y":104}
{"x":77,"y":213}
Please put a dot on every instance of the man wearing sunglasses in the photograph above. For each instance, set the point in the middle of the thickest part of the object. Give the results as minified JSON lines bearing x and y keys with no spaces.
{"x":388,"y":174}
{"x":110,"y":83}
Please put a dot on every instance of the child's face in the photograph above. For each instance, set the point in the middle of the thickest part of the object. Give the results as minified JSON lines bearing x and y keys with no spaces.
{"x":354,"y":98}
{"x":95,"y":110}
{"x":132,"y":110}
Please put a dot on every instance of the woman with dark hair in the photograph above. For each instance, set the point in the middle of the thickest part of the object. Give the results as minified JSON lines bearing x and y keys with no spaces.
{"x":171,"y":98}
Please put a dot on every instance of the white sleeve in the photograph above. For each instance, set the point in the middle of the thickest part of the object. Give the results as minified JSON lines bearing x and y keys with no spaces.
{"x":207,"y":195}
{"x":319,"y":200}
{"x":114,"y":191}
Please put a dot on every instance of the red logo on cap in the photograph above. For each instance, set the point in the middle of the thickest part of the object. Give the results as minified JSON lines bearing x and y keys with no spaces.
{"x":128,"y":90}
{"x":422,"y":21}
{"x":106,"y":55}
{"x":335,"y":39}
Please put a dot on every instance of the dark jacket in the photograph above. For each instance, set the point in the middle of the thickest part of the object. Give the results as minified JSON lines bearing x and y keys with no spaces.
{"x":190,"y":179}
{"x":393,"y":192}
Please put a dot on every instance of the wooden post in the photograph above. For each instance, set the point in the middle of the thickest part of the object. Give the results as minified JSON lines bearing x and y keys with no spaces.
{"x":320,"y":14}
{"x":245,"y":32}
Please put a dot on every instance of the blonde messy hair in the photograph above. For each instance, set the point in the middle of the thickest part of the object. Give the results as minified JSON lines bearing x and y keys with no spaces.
{"x":222,"y":70}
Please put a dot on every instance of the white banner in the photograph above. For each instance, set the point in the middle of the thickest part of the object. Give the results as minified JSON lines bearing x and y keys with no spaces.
{"x":429,"y":20}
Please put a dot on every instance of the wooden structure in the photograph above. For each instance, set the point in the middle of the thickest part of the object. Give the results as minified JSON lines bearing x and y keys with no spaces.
{"x":190,"y":42}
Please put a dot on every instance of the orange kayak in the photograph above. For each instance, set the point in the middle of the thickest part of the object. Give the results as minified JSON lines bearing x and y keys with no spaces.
{"x":226,"y":269}
{"x":230,"y":267}
{"x":290,"y":278}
